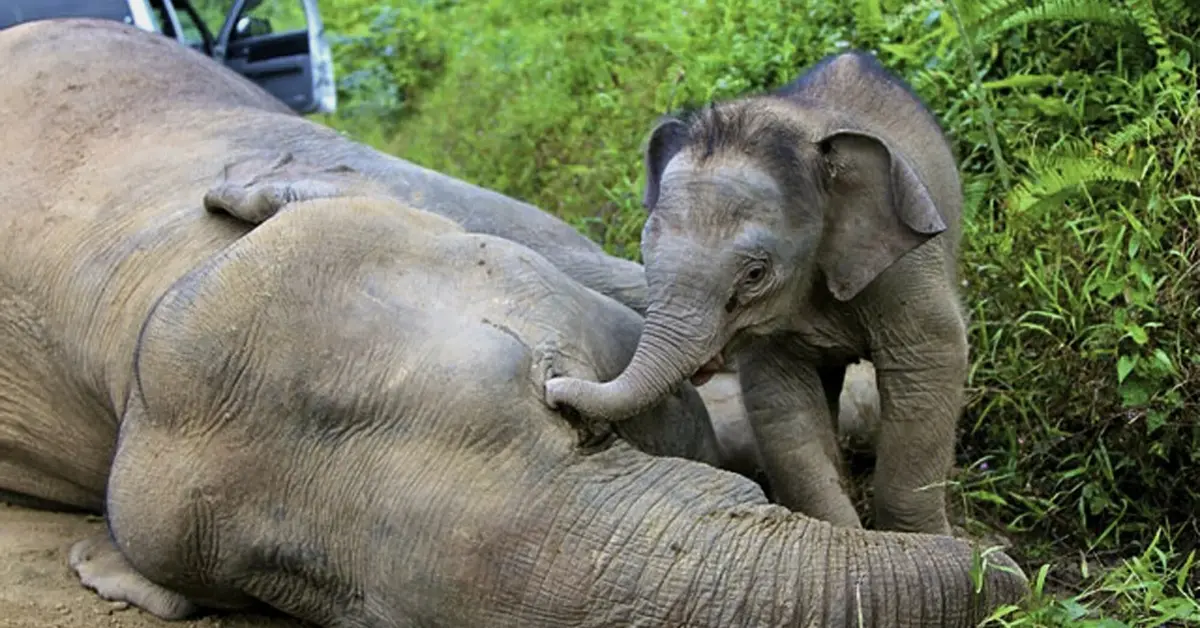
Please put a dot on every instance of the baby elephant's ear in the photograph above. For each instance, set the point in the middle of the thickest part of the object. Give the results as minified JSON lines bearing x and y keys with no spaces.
{"x":256,"y":188}
{"x":666,"y":140}
{"x":879,"y":210}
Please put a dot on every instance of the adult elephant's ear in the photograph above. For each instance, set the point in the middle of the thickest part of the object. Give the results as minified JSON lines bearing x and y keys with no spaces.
{"x":257,"y":187}
{"x":666,"y":140}
{"x":879,"y":210}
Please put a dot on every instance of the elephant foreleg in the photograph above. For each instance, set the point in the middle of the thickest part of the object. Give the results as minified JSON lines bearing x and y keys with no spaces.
{"x":790,"y":413}
{"x":920,"y":377}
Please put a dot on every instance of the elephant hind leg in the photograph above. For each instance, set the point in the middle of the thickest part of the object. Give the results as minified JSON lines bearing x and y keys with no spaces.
{"x":102,"y":568}
{"x":31,"y":486}
{"x":54,"y":447}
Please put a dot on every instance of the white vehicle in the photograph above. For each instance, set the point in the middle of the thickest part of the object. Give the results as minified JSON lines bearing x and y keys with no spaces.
{"x":294,"y":64}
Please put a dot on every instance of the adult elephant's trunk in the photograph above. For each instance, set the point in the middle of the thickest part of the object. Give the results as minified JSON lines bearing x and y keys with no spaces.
{"x":676,"y":543}
{"x":672,"y":348}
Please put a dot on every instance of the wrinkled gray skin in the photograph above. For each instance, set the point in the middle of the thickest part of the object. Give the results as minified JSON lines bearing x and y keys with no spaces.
{"x":798,"y":232}
{"x":338,"y":411}
{"x":857,"y":420}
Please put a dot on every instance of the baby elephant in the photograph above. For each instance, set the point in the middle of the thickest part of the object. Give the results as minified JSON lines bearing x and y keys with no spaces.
{"x":336,"y":406}
{"x":797,"y":232}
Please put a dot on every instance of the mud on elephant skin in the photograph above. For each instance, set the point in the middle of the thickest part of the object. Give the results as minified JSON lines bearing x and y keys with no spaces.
{"x":797,"y":232}
{"x":338,"y":411}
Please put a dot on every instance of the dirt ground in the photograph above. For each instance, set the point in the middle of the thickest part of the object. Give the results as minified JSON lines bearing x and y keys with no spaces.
{"x":39,"y":590}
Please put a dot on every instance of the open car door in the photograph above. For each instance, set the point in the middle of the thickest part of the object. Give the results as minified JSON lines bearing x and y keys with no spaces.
{"x":281,"y":46}
{"x":136,"y":12}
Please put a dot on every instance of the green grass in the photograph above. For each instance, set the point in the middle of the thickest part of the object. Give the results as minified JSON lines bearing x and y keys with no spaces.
{"x":1149,"y":589}
{"x":1076,"y":125}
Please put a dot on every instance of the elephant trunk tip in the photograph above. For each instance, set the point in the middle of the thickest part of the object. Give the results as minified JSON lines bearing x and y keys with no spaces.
{"x":595,"y":400}
{"x":665,"y":358}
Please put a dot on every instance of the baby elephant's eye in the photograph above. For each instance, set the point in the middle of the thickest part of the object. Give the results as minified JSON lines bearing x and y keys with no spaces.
{"x":756,"y":273}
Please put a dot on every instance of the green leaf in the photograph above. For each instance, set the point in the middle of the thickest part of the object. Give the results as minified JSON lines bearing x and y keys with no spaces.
{"x":1134,"y":394}
{"x":1125,"y":366}
{"x":1023,"y":80}
{"x":1155,"y":419}
{"x":1182,"y":577}
{"x":1074,"y":609}
{"x":1109,"y":289}
{"x":986,"y":496}
{"x":1164,"y":361}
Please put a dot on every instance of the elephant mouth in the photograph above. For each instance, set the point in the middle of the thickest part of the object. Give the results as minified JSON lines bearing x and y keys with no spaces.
{"x":706,"y":372}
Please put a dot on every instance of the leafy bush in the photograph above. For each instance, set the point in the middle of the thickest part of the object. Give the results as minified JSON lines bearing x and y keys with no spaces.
{"x":1076,"y":125}
{"x":384,"y":57}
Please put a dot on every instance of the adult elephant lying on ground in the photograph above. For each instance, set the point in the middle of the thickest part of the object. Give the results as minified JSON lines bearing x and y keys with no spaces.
{"x":339,"y":411}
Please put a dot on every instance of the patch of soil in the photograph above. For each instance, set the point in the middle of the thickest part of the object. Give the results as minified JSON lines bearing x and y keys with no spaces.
{"x":39,"y":590}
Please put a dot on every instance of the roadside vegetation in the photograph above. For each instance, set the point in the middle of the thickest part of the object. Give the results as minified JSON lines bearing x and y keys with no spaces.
{"x":1076,"y":123}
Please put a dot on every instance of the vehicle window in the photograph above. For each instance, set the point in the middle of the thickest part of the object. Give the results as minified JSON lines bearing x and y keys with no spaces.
{"x":191,"y":31}
{"x":213,"y":13}
{"x":266,"y":17}
{"x":261,"y":17}
{"x":280,"y":16}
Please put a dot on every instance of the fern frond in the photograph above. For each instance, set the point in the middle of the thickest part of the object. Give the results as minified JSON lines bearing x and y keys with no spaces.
{"x":1060,"y":175}
{"x":1142,"y":12}
{"x":925,"y":81}
{"x":975,"y":191}
{"x":868,"y":16}
{"x":1143,"y":130}
{"x":982,"y":13}
{"x":1100,"y":11}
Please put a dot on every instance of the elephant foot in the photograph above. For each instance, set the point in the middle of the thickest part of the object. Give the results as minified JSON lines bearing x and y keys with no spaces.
{"x":101,"y":567}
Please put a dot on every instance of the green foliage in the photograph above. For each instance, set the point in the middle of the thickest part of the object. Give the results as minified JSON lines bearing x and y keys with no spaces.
{"x":1075,"y":122}
{"x":549,"y":101}
{"x":385,"y":56}
{"x":1089,"y":258}
{"x":1150,"y":589}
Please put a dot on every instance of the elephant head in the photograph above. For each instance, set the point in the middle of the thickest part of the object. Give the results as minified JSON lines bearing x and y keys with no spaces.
{"x":758,"y":208}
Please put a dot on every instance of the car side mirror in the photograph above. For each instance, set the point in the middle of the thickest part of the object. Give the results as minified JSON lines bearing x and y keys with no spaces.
{"x":250,"y":26}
